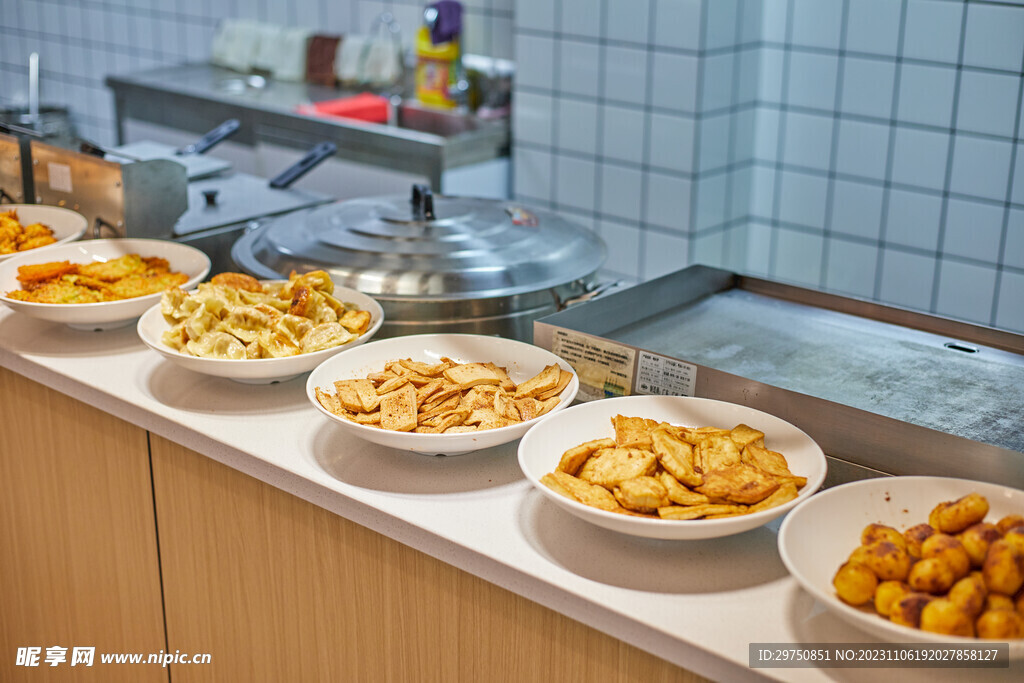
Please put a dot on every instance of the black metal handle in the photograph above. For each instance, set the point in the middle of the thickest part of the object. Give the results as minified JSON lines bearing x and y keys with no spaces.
{"x":215,"y":136}
{"x":303,"y":165}
{"x":422,"y":202}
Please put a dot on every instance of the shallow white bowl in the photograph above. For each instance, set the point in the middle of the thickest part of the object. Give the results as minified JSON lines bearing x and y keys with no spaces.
{"x":521,"y":360}
{"x":819,"y":535}
{"x":67,"y":225}
{"x":542,"y":448}
{"x":152,"y":325}
{"x":107,"y":314}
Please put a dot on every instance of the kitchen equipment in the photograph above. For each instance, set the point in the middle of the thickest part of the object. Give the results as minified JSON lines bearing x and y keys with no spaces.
{"x":47,"y":122}
{"x":15,"y":168}
{"x":881,"y":389}
{"x":434,"y":262}
{"x":192,"y":156}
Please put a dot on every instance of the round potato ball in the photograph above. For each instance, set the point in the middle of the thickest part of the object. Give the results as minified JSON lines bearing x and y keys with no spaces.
{"x":888,"y":561}
{"x":976,"y":540}
{"x":1000,"y":624}
{"x":969,"y":594}
{"x":943,"y":616}
{"x":955,"y":516}
{"x":888,"y":594}
{"x":915,"y":536}
{"x":931,"y":575}
{"x":1008,"y":522}
{"x":1003,"y":568}
{"x":880,"y":532}
{"x":855,"y":584}
{"x":950,"y":549}
{"x":907,"y":612}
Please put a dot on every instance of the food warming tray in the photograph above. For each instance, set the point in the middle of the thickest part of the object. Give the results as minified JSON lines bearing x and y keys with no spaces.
{"x":883,"y":388}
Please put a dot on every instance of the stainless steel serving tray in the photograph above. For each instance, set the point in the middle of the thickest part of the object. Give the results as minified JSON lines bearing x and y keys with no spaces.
{"x":884,"y":388}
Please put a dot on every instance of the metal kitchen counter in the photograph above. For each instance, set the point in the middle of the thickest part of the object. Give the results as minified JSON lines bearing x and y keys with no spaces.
{"x":197,"y":97}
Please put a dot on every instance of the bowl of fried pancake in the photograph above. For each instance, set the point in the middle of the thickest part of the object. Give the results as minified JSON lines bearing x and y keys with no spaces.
{"x":259,"y":331}
{"x":442,"y":394}
{"x":98,"y":284}
{"x":671,"y":467}
{"x":27,"y":227}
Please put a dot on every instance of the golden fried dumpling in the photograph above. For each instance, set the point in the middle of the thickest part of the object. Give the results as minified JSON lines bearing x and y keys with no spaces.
{"x":293,"y":328}
{"x":200,"y":322}
{"x":276,"y":345}
{"x":216,"y":345}
{"x":326,"y":336}
{"x":245,"y":322}
{"x":175,"y":337}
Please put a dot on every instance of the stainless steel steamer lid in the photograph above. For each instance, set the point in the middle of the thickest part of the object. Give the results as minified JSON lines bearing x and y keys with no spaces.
{"x":396,"y":247}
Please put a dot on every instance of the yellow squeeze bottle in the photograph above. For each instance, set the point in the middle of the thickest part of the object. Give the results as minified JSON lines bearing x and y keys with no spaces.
{"x":436,"y":67}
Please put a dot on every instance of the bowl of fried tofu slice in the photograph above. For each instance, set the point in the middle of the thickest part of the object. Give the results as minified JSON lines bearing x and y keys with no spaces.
{"x":672,"y":467}
{"x":442,"y":394}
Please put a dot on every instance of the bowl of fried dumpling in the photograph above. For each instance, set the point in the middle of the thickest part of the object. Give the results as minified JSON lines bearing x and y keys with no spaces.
{"x":259,"y":331}
{"x":98,"y":284}
{"x":671,"y":467}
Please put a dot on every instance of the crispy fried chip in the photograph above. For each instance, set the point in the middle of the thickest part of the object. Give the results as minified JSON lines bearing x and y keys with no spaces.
{"x":398,"y":409}
{"x":740,"y":483}
{"x":540,"y":383}
{"x":586,"y":493}
{"x":610,"y":466}
{"x":574,"y":457}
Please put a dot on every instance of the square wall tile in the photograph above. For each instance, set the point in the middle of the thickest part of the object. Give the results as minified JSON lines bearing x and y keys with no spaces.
{"x":674,"y":83}
{"x":803,"y":198}
{"x":712,"y":196}
{"x":988,"y":102}
{"x":775,"y":17}
{"x":933,"y":30}
{"x":907,"y":279}
{"x":625,"y":74}
{"x":863,"y":149}
{"x":1017,"y":195}
{"x":677,"y":23}
{"x":621,"y":192}
{"x":720,"y":24}
{"x":577,"y":64}
{"x":531,"y":174}
{"x":993,"y":37}
{"x":812,"y":80}
{"x":742,"y":187}
{"x":762,"y":193}
{"x":926,"y":94}
{"x":817,"y":23}
{"x":743,"y":134}
{"x":715,"y":137}
{"x":973,"y":230}
{"x":758,"y":248}
{"x":664,"y":253}
{"x":532,"y":118}
{"x":535,"y":59}
{"x":966,"y":291}
{"x":868,"y":86}
{"x":622,"y":133}
{"x":668,"y":202}
{"x":919,"y":158}
{"x":797,"y":257}
{"x":750,"y":69}
{"x":981,"y":167}
{"x":576,"y":125}
{"x":734,"y":247}
{"x":913,"y":219}
{"x":851,"y":268}
{"x":623,"y":240}
{"x":766,"y":134}
{"x":1010,"y":309}
{"x":808,"y":140}
{"x":575,"y":182}
{"x":873,"y":26}
{"x":628,"y":20}
{"x":718,"y":82}
{"x":856,"y":209}
{"x":771,"y":67}
{"x":751,"y":21}
{"x":502,"y":38}
{"x":670,"y":142}
{"x":1013,"y":252}
{"x":707,"y":249}
{"x":579,"y":18}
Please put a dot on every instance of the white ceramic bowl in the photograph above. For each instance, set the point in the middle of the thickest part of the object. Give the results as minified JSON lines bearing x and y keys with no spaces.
{"x":819,"y":535}
{"x":542,"y":448}
{"x":152,"y":325}
{"x":108,"y":314}
{"x":67,"y":225}
{"x":522,"y":361}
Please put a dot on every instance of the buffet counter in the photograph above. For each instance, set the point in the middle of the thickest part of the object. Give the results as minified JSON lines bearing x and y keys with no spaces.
{"x":173,"y":511}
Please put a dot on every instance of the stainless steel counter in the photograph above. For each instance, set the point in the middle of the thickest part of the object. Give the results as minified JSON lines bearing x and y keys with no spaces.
{"x":197,"y":97}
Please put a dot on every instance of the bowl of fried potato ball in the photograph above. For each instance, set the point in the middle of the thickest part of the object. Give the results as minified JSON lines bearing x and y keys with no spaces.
{"x":259,"y":331}
{"x":914,"y":559}
{"x":671,"y":467}
{"x":98,"y":284}
{"x":26,"y":227}
{"x":442,"y":394}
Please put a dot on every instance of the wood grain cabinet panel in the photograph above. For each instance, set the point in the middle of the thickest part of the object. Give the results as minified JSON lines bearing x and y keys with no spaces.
{"x":78,"y":553}
{"x":277,"y":589}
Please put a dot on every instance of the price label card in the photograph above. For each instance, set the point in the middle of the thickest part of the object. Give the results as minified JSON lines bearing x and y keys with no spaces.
{"x":604,"y":368}
{"x":663,"y":376}
{"x":60,"y":177}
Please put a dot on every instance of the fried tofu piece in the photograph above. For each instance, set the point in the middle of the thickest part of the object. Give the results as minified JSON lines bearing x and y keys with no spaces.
{"x":544,"y":381}
{"x":468,"y":375}
{"x":564,"y":377}
{"x":694,"y":435}
{"x":676,"y":456}
{"x":573,"y":458}
{"x":398,"y":409}
{"x":633,"y":431}
{"x":786,"y":492}
{"x":642,"y":494}
{"x":610,"y":466}
{"x":699,"y":511}
{"x":740,"y":483}
{"x":742,"y":435}
{"x":347,"y":395}
{"x":764,"y":459}
{"x":506,"y":382}
{"x":393,"y":384}
{"x":434,"y":370}
{"x":715,"y":452}
{"x":679,"y":494}
{"x":584,"y":492}
{"x":450,"y":403}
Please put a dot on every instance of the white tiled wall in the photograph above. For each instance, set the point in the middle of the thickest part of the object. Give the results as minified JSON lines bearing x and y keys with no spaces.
{"x":81,"y":41}
{"x":866,"y":147}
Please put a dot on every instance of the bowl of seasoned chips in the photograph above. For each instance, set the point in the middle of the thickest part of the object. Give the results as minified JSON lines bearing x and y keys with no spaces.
{"x":671,"y":467}
{"x":25,"y":227}
{"x":442,"y":394}
{"x":259,"y":331}
{"x":98,"y":284}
